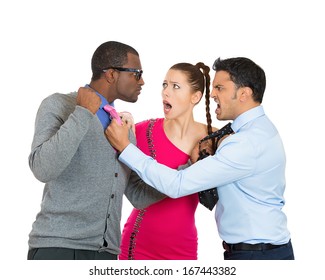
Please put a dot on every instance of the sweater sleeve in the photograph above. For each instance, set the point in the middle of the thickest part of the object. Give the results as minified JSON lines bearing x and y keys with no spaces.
{"x":59,"y":128}
{"x":140,"y":194}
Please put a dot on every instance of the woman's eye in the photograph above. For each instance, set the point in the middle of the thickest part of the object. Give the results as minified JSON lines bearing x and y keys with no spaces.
{"x":176,"y":86}
{"x":164,"y":85}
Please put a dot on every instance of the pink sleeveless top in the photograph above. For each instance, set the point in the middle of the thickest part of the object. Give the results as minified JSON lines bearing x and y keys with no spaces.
{"x":165,"y":230}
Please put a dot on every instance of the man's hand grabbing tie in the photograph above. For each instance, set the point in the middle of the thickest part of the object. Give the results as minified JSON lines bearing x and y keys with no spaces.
{"x":118,"y":135}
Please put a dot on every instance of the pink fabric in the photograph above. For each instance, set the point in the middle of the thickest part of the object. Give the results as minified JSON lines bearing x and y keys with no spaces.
{"x":165,"y":230}
{"x":114,"y":115}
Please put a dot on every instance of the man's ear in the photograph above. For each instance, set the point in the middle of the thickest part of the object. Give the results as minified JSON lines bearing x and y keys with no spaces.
{"x":109,"y":75}
{"x":245,"y":94}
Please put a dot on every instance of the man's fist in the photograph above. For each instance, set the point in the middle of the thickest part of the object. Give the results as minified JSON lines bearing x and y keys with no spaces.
{"x":88,"y":99}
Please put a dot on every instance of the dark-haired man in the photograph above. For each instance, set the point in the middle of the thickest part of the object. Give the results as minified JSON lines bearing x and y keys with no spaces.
{"x":84,"y":183}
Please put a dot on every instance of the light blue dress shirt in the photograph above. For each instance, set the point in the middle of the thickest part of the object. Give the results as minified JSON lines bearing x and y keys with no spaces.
{"x":248,"y":169}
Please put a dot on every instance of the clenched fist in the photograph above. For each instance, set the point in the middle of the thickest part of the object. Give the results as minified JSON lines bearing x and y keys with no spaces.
{"x":88,"y":99}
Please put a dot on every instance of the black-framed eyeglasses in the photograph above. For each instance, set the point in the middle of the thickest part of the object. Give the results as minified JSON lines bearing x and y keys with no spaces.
{"x":137,"y":72}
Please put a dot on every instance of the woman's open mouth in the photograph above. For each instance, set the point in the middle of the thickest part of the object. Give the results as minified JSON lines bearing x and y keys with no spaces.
{"x":167,"y":106}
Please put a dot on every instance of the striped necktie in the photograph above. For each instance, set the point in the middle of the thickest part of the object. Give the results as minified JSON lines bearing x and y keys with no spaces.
{"x":209,"y":198}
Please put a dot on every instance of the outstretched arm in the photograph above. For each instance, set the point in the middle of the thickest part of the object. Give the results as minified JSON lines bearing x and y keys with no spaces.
{"x":232,"y":162}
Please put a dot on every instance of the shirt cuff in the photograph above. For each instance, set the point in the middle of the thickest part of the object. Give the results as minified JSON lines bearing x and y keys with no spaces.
{"x":131,"y":155}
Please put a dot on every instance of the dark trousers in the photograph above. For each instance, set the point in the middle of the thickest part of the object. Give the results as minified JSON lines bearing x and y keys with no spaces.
{"x":281,"y":253}
{"x":68,"y":254}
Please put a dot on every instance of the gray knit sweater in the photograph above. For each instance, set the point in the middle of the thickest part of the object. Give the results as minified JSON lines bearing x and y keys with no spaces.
{"x":84,"y":181}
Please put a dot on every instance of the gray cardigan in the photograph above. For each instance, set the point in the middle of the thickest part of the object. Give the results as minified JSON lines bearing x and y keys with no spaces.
{"x":84,"y":181}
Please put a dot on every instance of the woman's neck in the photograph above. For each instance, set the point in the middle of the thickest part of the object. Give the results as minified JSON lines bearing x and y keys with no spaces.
{"x":179,"y":128}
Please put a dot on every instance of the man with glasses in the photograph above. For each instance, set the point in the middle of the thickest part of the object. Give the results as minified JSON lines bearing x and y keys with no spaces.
{"x":248,"y":167}
{"x":84,"y":182}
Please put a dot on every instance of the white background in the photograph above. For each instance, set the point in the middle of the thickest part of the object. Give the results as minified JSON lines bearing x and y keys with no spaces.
{"x":46,"y":47}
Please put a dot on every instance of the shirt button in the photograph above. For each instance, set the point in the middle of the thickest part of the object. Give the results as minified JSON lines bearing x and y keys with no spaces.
{"x":116,"y":174}
{"x":112,"y":196}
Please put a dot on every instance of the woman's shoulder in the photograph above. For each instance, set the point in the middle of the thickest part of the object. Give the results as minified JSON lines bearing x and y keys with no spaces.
{"x":203,"y":128}
{"x":142,"y":126}
{"x":145,"y":123}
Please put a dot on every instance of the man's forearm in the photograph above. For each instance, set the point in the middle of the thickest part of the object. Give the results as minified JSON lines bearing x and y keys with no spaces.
{"x":52,"y":150}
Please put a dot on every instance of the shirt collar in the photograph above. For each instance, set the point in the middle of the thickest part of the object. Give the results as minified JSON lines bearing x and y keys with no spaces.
{"x":102,"y":98}
{"x":246,"y":117}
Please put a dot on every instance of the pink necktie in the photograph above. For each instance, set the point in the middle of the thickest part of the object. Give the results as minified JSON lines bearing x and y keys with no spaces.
{"x":114,"y":115}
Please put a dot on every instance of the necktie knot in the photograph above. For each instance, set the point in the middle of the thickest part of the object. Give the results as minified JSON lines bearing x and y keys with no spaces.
{"x":112,"y":112}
